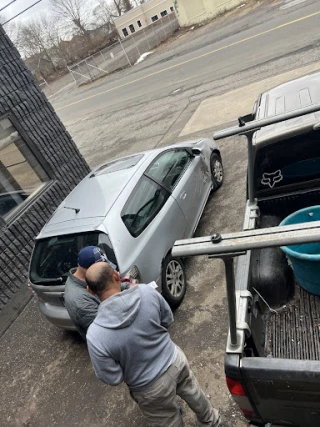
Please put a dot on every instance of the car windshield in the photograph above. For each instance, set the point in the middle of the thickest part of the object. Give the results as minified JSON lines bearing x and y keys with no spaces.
{"x":53,"y":257}
{"x":120,"y":164}
{"x":288,"y":163}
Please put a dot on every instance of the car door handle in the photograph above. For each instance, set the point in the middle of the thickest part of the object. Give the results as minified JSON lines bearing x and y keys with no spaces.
{"x":183,"y":195}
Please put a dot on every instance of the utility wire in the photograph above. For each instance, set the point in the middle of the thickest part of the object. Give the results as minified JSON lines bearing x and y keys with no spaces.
{"x":4,"y":7}
{"x":22,"y":12}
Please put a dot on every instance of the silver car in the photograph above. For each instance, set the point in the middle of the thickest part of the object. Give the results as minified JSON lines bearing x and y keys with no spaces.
{"x":134,"y":209}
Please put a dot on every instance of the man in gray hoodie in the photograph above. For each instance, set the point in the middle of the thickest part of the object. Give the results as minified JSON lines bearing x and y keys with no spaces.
{"x":129,"y":341}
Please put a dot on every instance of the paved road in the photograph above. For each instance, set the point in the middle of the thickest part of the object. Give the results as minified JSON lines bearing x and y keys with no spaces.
{"x":46,"y":377}
{"x":272,"y":33}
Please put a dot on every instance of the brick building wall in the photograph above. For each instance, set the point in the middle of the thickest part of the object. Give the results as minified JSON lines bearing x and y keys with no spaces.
{"x":22,"y":100}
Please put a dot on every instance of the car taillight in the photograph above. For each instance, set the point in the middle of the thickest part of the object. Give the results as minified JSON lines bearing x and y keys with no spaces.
{"x":134,"y":273}
{"x":239,"y":396}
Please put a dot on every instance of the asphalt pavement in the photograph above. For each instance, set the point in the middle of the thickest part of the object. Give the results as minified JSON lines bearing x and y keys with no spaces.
{"x":46,"y":375}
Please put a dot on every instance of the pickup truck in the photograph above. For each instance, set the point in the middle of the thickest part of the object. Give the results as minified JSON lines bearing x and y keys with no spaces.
{"x":272,"y":360}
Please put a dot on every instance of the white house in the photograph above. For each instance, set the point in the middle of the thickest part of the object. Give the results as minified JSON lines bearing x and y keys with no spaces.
{"x":142,"y":16}
{"x":190,"y":12}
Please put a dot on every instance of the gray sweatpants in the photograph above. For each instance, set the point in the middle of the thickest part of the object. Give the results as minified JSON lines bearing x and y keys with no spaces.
{"x":158,"y":402}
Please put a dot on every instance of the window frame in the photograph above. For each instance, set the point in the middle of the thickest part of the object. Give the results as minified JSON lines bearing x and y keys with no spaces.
{"x":102,"y":239}
{"x":132,"y":29}
{"x":139,"y":23}
{"x":156,"y":18}
{"x":155,"y":181}
{"x":164,"y":13}
{"x":289,"y":187}
{"x":19,"y":209}
{"x":124,"y":31}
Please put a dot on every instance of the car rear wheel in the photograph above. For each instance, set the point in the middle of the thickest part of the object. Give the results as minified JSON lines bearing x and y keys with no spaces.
{"x":174,"y":283}
{"x":216,"y":171}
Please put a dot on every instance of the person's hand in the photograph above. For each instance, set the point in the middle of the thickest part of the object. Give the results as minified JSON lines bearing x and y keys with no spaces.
{"x":133,"y":283}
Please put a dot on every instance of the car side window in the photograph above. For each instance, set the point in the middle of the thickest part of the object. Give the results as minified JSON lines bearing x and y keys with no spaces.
{"x":168,"y":168}
{"x":144,"y":203}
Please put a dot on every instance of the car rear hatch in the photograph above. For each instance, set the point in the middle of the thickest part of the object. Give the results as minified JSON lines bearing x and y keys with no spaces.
{"x":53,"y":257}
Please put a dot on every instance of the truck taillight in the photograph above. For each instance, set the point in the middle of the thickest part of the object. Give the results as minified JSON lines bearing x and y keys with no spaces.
{"x":239,"y":396}
{"x":235,"y":387}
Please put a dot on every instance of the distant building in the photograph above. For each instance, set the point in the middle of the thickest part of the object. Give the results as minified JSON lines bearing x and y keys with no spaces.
{"x":142,"y":16}
{"x":190,"y":12}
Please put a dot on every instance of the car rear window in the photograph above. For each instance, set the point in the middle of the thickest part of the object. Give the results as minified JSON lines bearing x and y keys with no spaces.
{"x":53,"y":257}
{"x":288,"y":163}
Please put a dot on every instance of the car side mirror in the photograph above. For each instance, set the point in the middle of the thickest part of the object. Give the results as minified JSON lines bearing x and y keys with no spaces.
{"x":196,"y":151}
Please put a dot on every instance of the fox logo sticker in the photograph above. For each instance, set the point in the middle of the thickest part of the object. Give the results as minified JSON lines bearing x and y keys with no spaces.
{"x":271,"y":179}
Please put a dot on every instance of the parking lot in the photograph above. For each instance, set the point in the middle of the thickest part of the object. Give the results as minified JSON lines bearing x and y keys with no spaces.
{"x":46,"y":375}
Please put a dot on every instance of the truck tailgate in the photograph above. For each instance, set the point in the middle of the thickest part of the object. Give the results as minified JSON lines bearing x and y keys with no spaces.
{"x":284,"y":391}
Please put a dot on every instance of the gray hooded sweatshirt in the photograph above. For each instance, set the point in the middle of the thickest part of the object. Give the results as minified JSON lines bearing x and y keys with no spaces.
{"x":129,"y":339}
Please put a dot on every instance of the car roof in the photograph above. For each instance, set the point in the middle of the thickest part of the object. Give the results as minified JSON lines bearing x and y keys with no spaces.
{"x":292,"y":95}
{"x":85,"y":208}
{"x":95,"y":194}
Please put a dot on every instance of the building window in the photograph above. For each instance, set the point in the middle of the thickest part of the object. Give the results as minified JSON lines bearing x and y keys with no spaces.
{"x":125,"y":32}
{"x":139,"y":24}
{"x":154,"y":18}
{"x":21,"y":174}
{"x":131,"y":28}
{"x":171,"y":9}
{"x":164,"y":13}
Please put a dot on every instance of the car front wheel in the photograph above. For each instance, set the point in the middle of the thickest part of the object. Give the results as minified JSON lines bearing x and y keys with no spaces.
{"x":216,"y":171}
{"x":174,"y":283}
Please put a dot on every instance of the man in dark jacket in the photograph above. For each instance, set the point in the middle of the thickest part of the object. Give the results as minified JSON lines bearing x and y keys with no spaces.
{"x":80,"y":304}
{"x":129,"y":341}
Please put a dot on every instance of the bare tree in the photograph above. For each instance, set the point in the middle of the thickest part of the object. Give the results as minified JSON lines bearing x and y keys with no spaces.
{"x":75,"y":11}
{"x":138,"y":2}
{"x":10,"y":28}
{"x":126,"y":5}
{"x":119,"y":7}
{"x":103,"y":15}
{"x":37,"y":36}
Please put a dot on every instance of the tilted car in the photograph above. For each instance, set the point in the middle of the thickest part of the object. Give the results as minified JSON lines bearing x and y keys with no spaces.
{"x":134,"y":209}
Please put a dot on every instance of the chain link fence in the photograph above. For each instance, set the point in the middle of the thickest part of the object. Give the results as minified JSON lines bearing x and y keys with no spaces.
{"x":125,"y":52}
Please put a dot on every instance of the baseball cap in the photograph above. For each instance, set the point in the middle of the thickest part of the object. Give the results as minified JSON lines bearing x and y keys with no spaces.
{"x":90,"y":255}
